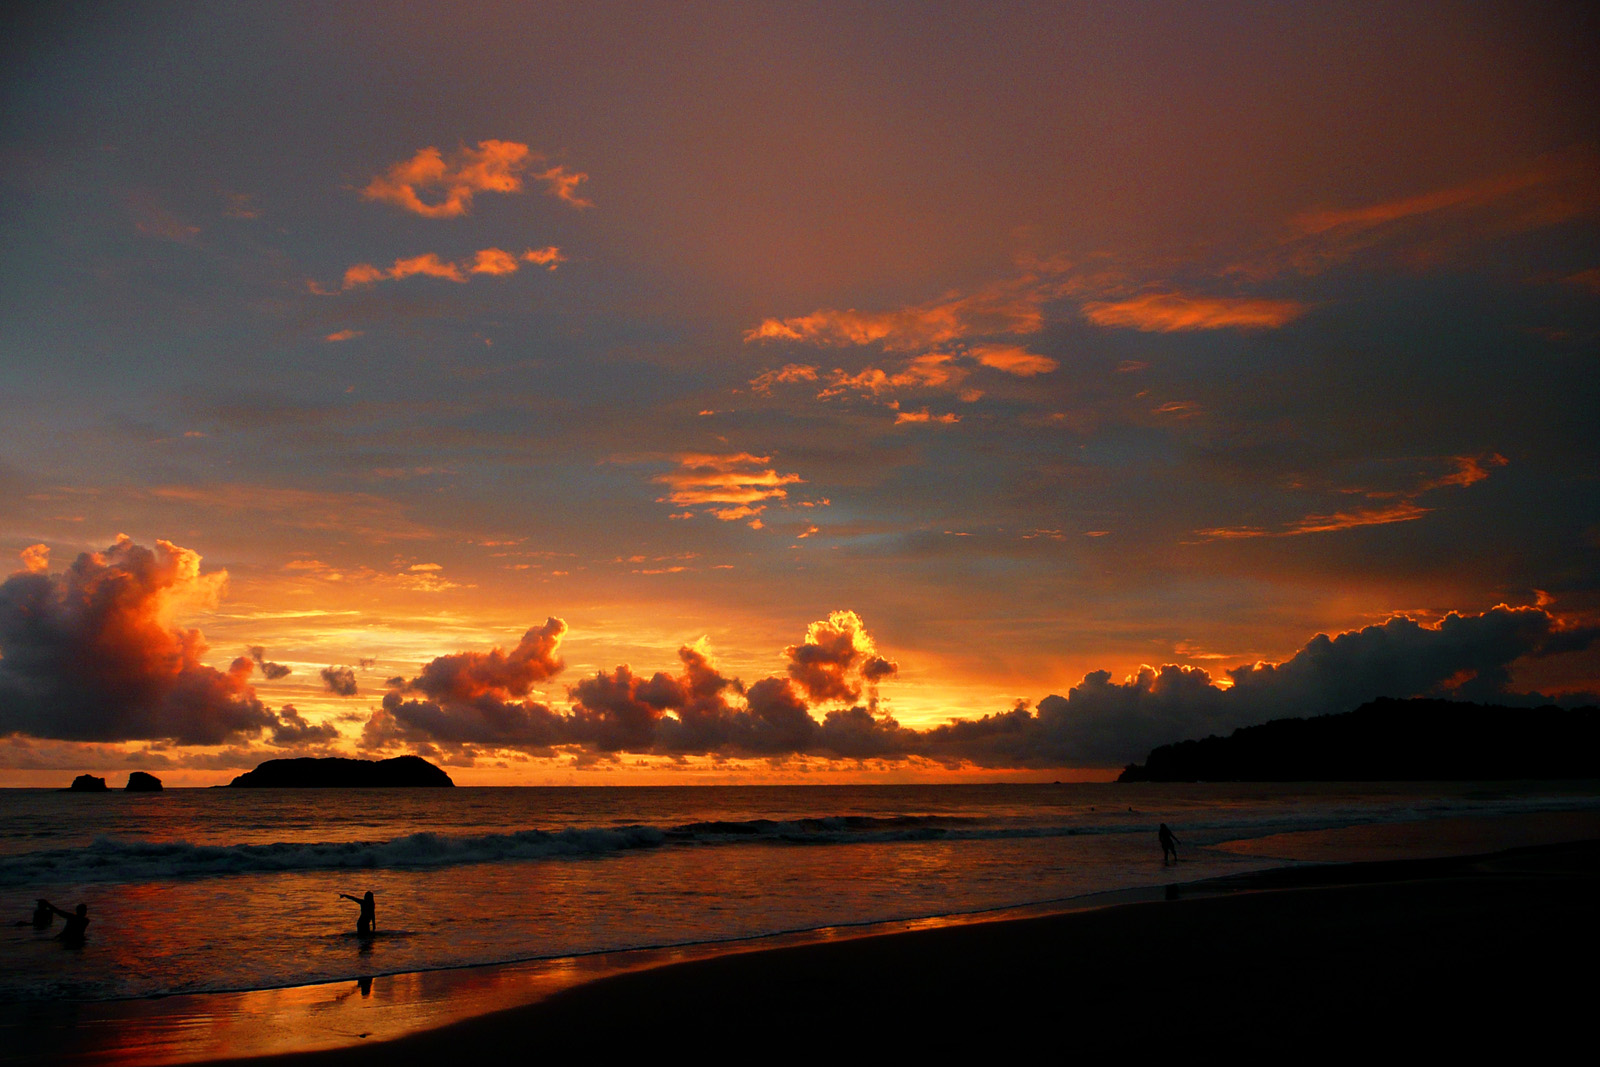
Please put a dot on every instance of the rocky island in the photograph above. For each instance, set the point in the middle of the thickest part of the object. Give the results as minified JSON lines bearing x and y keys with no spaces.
{"x":1391,"y":740}
{"x":143,"y":782}
{"x":87,"y":783}
{"x":341,"y":773}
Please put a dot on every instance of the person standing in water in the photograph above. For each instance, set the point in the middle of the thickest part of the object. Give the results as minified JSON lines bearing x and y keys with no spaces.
{"x":367,"y":922}
{"x":77,"y":923}
{"x":1169,"y":845}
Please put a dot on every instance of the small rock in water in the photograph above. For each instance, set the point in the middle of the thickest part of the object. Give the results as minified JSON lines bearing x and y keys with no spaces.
{"x":88,"y":783}
{"x":140,"y":782}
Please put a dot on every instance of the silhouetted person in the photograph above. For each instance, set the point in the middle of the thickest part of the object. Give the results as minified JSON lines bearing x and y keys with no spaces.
{"x":77,"y":923}
{"x":1169,"y":845}
{"x":368,"y":920}
{"x":42,"y":916}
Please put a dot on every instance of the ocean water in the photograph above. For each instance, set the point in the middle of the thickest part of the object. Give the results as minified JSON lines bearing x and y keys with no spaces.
{"x":219,"y":889}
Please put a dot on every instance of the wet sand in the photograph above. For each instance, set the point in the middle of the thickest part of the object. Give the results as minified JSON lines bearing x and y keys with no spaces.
{"x":1448,"y":955}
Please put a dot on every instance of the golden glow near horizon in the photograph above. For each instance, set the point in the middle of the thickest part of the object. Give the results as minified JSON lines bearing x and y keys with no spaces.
{"x":842,"y":452}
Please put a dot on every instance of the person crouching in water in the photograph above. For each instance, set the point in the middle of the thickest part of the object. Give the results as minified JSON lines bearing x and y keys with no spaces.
{"x":367,"y":922}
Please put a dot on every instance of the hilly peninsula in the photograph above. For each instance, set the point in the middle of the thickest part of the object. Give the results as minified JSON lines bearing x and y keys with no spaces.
{"x":339,"y":772}
{"x":1391,"y":740}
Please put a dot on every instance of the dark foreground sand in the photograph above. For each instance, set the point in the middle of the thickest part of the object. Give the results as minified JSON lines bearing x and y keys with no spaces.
{"x":1453,"y":956}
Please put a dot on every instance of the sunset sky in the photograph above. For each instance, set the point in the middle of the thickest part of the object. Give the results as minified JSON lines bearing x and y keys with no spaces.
{"x":840,"y":369}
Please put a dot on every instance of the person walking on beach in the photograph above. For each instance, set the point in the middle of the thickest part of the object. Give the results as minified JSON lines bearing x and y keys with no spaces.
{"x":367,"y":922}
{"x":77,"y":923}
{"x":1169,"y":845}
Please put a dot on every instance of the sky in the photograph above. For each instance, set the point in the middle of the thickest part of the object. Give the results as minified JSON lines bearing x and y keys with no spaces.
{"x":682,"y":393}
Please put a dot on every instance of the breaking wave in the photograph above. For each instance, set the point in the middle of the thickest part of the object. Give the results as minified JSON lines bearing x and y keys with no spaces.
{"x":110,"y":859}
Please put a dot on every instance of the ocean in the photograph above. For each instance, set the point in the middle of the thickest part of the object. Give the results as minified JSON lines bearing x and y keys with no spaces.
{"x":194,"y":890}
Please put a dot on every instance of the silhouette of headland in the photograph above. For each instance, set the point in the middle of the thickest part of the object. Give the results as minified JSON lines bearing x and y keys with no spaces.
{"x":87,"y":783}
{"x":339,"y":772}
{"x":141,"y":782}
{"x":1391,"y":740}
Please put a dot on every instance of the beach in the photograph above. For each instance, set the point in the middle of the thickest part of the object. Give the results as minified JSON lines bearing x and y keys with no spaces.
{"x":1416,"y":952}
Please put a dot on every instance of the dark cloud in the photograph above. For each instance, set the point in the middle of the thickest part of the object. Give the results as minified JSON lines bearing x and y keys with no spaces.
{"x":475,"y":698}
{"x":466,"y":676}
{"x":90,"y":654}
{"x":270,"y":671}
{"x":341,"y":681}
{"x":292,"y":728}
{"x":836,"y":659}
{"x":1100,"y":722}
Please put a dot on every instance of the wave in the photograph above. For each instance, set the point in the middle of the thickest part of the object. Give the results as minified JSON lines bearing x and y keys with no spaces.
{"x":110,"y":859}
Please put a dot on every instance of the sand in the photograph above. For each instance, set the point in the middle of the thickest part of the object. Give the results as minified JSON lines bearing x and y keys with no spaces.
{"x":1458,"y":956}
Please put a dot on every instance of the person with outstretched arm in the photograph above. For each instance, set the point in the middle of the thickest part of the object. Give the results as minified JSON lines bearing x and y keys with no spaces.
{"x":367,"y":922}
{"x":77,"y":923}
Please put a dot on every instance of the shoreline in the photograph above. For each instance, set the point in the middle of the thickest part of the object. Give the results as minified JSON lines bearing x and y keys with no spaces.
{"x":416,"y":1016}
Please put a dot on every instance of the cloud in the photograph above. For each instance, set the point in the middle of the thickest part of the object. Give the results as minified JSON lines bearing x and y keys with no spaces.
{"x":292,"y":728}
{"x":789,"y":372}
{"x":696,"y":710}
{"x":451,"y":183}
{"x":490,"y":261}
{"x":92,"y":653}
{"x":1100,"y":722}
{"x":1397,"y":507}
{"x":475,"y":698}
{"x":837,"y":659}
{"x":340,"y":681}
{"x":35,"y":559}
{"x":933,"y":370}
{"x":722,"y":482}
{"x":563,"y":184}
{"x":548,"y":257}
{"x":468,"y":675}
{"x":1428,"y":227}
{"x":1013,"y":359}
{"x":344,"y":335}
{"x":493,"y":261}
{"x":270,"y":671}
{"x":1002,"y":308}
{"x":1168,"y":312}
{"x":949,"y":418}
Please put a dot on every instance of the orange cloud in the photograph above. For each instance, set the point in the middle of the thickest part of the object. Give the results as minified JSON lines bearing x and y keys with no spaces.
{"x":1171,"y":311}
{"x":734,"y":514}
{"x":923,"y":416}
{"x":549,"y":256}
{"x":94,"y":654}
{"x":35,"y":559}
{"x":732,"y":480}
{"x":933,"y":370}
{"x":1428,"y":226}
{"x":343,"y":335}
{"x":491,"y":261}
{"x":494,"y":261}
{"x":562,"y":183}
{"x":1007,"y":308}
{"x":1013,"y":359}
{"x":494,"y":166}
{"x":789,"y":372}
{"x":1469,"y":470}
{"x":451,"y":184}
